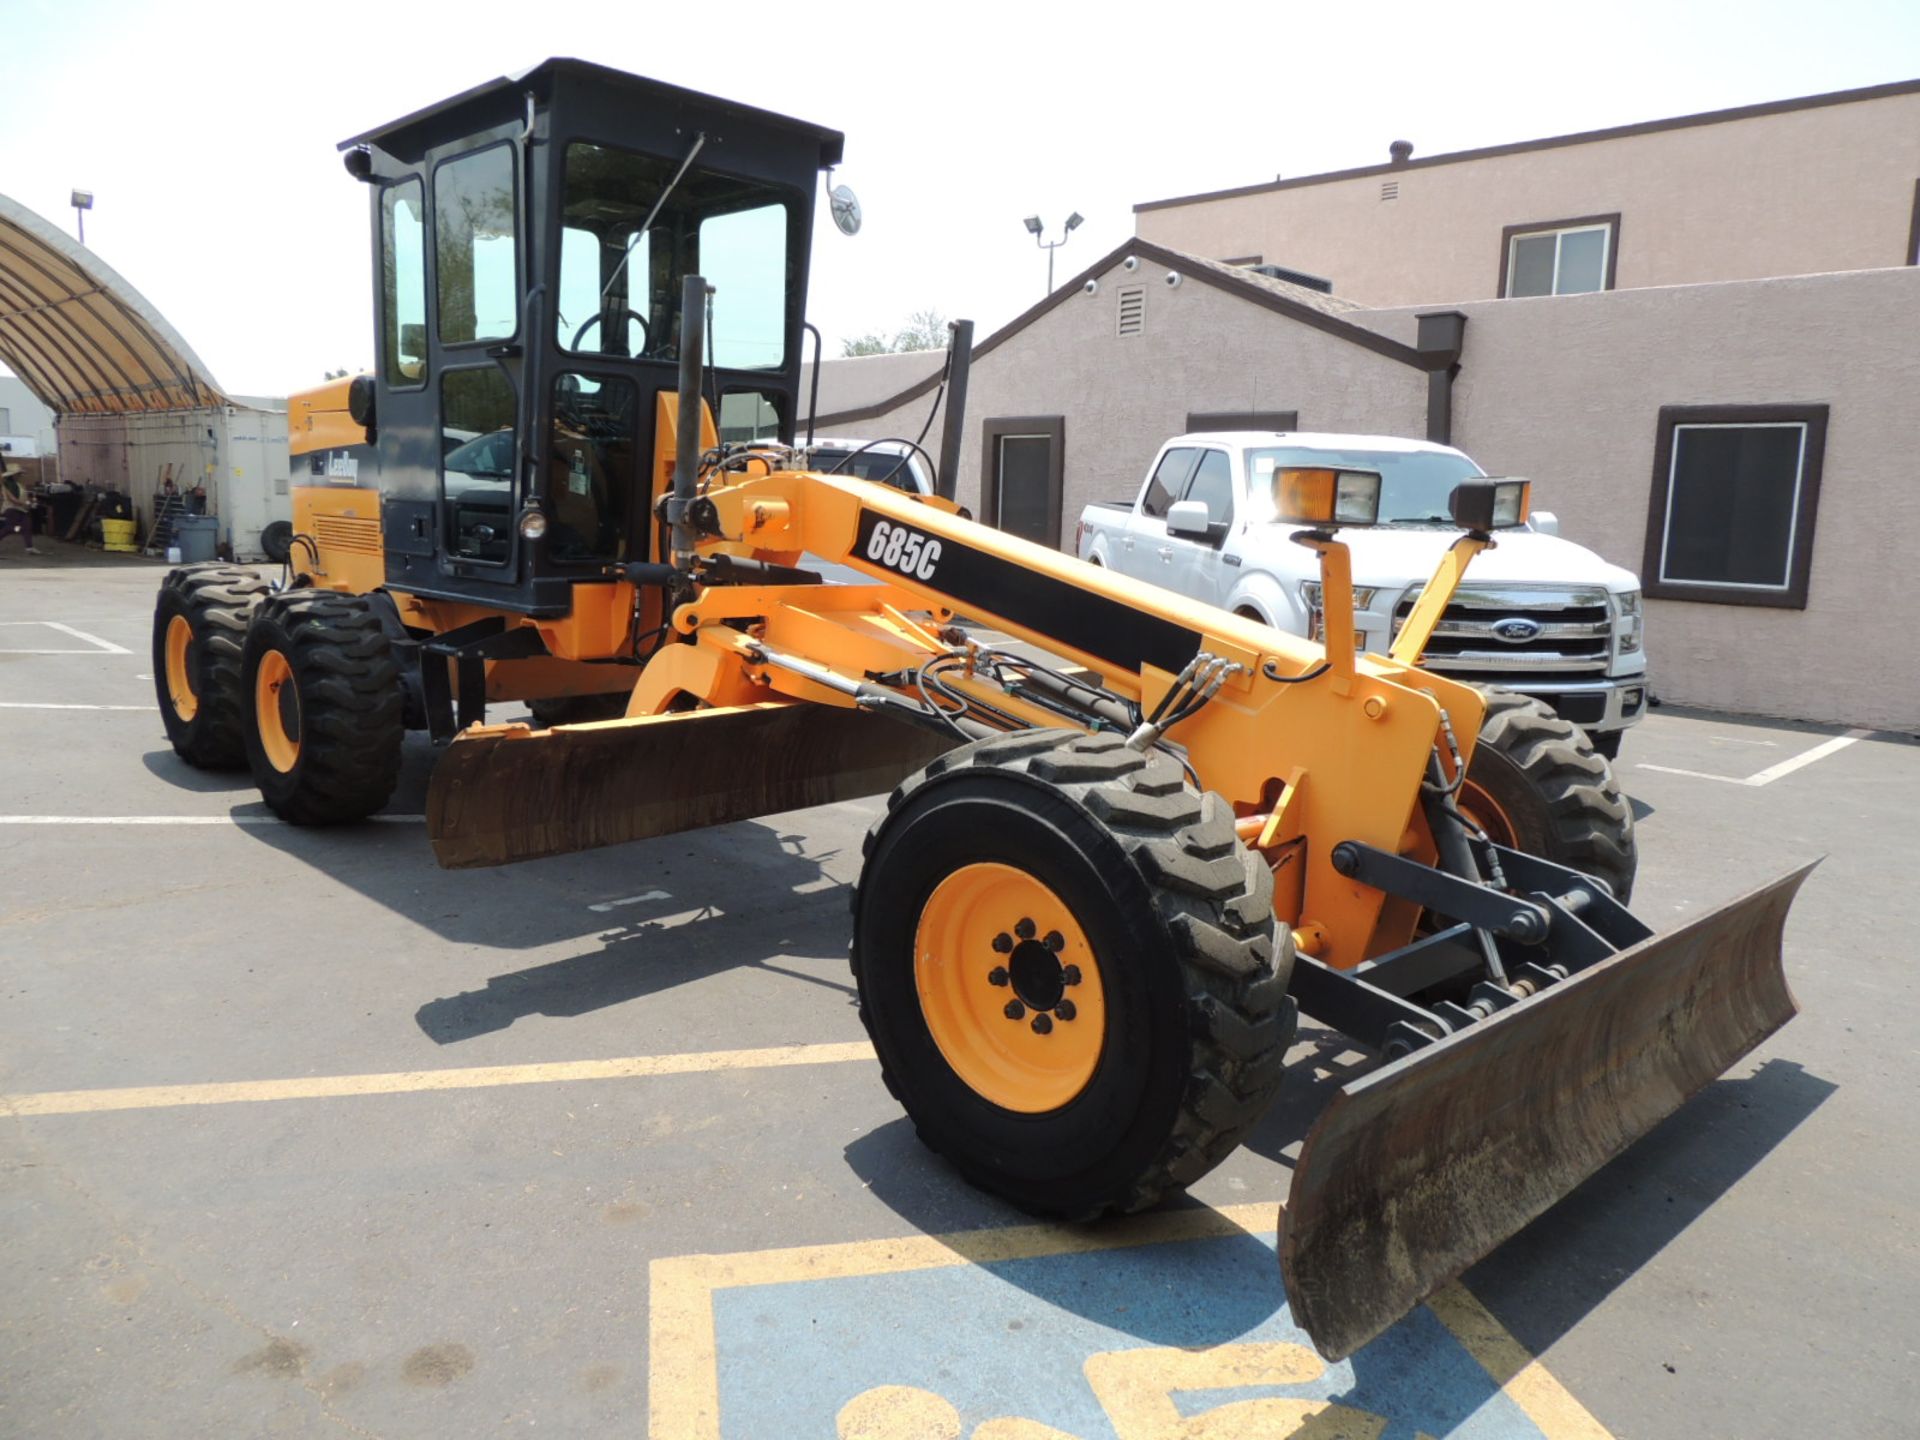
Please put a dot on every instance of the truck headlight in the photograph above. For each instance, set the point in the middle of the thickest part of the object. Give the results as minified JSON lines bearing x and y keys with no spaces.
{"x":1632,"y":623}
{"x":1310,"y":594}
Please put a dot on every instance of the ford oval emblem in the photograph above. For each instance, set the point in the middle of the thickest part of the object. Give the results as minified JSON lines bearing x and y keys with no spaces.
{"x":1517,"y":629}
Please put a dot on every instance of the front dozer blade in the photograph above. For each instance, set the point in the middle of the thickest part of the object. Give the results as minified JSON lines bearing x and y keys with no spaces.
{"x":1422,"y":1167}
{"x":518,"y":794}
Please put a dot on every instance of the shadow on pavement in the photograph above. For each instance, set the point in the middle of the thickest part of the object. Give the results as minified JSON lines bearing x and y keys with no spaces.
{"x":164,"y":765}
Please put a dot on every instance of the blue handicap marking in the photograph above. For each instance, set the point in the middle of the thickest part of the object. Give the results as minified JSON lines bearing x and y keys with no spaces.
{"x":1188,"y":1340}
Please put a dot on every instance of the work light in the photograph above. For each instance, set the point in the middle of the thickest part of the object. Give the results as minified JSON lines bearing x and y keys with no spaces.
{"x":1490,"y":504}
{"x":1326,"y":497}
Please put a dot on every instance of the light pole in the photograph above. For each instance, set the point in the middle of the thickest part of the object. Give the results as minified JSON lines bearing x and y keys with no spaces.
{"x":82,"y":202}
{"x":1034,"y":228}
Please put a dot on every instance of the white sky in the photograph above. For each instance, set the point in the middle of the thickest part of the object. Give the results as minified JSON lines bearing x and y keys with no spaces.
{"x":207,"y":130}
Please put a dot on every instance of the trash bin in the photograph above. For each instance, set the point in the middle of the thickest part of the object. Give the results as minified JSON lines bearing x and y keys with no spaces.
{"x":197,"y":536}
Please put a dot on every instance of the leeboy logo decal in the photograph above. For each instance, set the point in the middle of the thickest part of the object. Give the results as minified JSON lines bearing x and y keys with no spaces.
{"x":1517,"y":629}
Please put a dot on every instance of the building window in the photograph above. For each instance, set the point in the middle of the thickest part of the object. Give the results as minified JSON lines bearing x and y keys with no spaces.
{"x":1559,"y":257}
{"x":1735,"y":492}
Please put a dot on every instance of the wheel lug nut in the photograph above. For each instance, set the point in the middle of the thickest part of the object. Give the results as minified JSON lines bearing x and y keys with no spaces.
{"x":998,"y":975}
{"x":1055,"y":941}
{"x":1025,"y":929}
{"x":1064,"y":1010}
{"x":1042,"y":1024}
{"x":1070,"y":975}
{"x":1015,"y":1010}
{"x":1002,"y":943}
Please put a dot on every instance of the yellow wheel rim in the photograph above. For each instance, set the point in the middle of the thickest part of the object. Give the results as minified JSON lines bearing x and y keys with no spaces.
{"x":1481,"y":808}
{"x":276,"y":709}
{"x":1010,"y":988}
{"x":186,"y":704}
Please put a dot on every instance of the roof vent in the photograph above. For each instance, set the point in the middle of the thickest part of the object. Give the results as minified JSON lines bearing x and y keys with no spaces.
{"x":1401,"y":151}
{"x":1133,"y":309}
{"x":1389,"y":189}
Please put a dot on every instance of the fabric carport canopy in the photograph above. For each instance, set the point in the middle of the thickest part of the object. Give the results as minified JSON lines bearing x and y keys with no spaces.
{"x":83,"y":339}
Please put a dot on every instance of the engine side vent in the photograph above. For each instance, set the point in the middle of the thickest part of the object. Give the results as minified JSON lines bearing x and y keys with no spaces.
{"x":350,"y":535}
{"x":1133,"y":310}
{"x":1389,"y":189}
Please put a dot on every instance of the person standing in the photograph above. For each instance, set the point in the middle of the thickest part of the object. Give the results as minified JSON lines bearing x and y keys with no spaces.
{"x":16,"y":508}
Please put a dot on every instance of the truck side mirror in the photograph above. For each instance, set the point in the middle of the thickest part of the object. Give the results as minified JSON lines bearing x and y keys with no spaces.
{"x":1188,"y":518}
{"x":1544,"y":522}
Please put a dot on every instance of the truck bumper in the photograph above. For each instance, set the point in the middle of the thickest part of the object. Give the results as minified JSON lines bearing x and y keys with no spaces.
{"x":1612,"y":703}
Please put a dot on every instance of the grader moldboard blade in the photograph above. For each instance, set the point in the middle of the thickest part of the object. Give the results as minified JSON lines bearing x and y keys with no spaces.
{"x":519,"y":794}
{"x":1423,"y":1167}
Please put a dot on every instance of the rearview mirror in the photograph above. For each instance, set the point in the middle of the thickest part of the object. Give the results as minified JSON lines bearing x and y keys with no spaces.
{"x":1544,"y":522}
{"x":1189,"y":518}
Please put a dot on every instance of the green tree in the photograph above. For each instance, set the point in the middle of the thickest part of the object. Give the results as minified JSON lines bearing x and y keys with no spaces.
{"x":924,"y":330}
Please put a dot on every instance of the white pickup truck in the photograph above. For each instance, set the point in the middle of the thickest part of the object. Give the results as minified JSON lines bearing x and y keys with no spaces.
{"x":1537,"y":614}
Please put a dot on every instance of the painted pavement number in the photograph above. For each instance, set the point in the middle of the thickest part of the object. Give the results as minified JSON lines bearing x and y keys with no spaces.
{"x":1168,"y":1327}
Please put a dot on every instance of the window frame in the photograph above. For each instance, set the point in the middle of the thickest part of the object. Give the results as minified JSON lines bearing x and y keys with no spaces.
{"x":1806,"y":504}
{"x":1610,"y":223}
{"x":994,"y":429}
{"x":520,"y":246}
{"x":516,"y":483}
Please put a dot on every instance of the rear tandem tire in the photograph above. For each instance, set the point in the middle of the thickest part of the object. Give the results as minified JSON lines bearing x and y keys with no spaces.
{"x":1536,"y":784}
{"x":1163,"y":907}
{"x":325,"y":709}
{"x":199,"y":624}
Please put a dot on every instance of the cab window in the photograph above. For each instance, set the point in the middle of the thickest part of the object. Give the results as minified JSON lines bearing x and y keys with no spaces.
{"x":630,"y":233}
{"x":403,"y":284}
{"x":591,"y":467}
{"x":475,"y":258}
{"x":476,"y":464}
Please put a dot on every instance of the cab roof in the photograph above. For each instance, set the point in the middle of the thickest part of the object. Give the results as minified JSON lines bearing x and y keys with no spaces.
{"x":543,"y":79}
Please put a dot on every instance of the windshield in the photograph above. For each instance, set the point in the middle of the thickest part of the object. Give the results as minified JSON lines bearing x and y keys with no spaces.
{"x":1414,"y":485}
{"x":619,"y":288}
{"x":895,"y":470}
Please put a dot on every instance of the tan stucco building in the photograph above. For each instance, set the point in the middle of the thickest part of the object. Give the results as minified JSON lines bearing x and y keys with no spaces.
{"x":1797,"y":187}
{"x":1732,"y":409}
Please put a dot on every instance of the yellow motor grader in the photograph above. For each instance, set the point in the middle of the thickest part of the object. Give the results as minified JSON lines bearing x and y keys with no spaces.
{"x":1116,"y":861}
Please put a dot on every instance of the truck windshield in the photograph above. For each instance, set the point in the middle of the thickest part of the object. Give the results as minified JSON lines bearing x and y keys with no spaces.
{"x":1414,"y":485}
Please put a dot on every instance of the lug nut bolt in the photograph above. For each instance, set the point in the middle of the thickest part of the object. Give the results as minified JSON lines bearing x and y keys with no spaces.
{"x":1042,"y":1024}
{"x":1055,"y":941}
{"x":1002,"y":943}
{"x":1015,"y":1010}
{"x":1025,"y":929}
{"x":1069,"y":974}
{"x":998,"y":975}
{"x":1064,"y":1010}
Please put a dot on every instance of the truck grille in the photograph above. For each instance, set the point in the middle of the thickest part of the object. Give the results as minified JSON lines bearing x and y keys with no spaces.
{"x":1572,"y":633}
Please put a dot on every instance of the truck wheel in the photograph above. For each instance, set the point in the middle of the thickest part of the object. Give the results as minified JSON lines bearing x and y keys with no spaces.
{"x":1070,"y":968}
{"x":325,"y":714}
{"x":199,"y":623}
{"x":1535,"y":784}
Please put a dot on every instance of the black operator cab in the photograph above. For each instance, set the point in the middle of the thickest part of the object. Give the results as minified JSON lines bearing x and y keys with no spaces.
{"x":529,"y":239}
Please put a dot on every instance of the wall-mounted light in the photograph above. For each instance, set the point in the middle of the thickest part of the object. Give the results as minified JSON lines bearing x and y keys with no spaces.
{"x":1092,"y":287}
{"x":1036,"y":229}
{"x":1173,"y":279}
{"x":1131,"y":263}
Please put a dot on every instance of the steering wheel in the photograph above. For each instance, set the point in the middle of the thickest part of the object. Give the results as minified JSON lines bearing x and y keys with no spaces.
{"x":620,"y":312}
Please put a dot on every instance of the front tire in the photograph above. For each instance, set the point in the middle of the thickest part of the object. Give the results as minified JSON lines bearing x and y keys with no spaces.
{"x":1536,"y":784}
{"x":199,"y":626}
{"x":1070,"y":968}
{"x":325,"y":718}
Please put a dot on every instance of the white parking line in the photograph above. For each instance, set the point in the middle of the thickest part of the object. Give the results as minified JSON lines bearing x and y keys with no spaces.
{"x":1772,"y":772}
{"x":605,"y":905}
{"x":183,"y":819}
{"x":49,"y":705}
{"x":100,"y":647}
